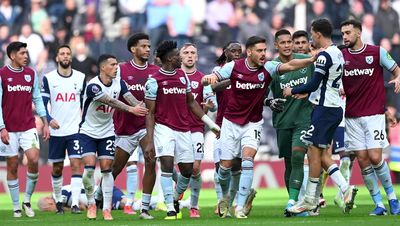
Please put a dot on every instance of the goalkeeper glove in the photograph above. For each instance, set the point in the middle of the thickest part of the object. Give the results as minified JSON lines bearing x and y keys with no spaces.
{"x":276,"y":104}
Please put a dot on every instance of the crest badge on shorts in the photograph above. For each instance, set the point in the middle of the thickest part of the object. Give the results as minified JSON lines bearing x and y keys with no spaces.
{"x":261,"y":76}
{"x":183,"y":80}
{"x":195,"y":84}
{"x":28,"y":78}
{"x":369,"y":59}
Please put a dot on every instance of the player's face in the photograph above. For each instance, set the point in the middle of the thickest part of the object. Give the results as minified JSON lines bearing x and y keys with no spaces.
{"x":20,"y":57}
{"x":316,"y":36}
{"x":189,"y":56}
{"x":350,"y":35}
{"x":233,"y":52}
{"x":142,"y":50}
{"x":257,"y":54}
{"x":110,"y":68}
{"x":47,"y":204}
{"x":175,"y":58}
{"x":64,"y":57}
{"x":284,"y":45}
{"x":301,"y":45}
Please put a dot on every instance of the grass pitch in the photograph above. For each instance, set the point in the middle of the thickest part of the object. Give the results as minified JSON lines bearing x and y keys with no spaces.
{"x":267,"y":210}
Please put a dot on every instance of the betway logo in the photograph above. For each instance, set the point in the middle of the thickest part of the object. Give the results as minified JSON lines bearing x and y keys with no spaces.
{"x":357,"y":72}
{"x":19,"y":88}
{"x":136,"y":87}
{"x":174,"y":90}
{"x":249,"y":85}
{"x":294,"y":83}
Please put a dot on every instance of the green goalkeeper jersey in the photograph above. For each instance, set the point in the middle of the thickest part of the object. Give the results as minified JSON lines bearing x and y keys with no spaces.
{"x":296,"y":112}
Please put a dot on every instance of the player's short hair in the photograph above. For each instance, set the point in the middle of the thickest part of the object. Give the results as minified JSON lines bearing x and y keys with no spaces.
{"x":15,"y":47}
{"x":63,"y":46}
{"x":253,"y":40}
{"x":103,"y":58}
{"x":356,"y":24}
{"x":300,"y":33}
{"x":134,"y":39}
{"x":184,"y":46}
{"x":282,"y":32}
{"x":322,"y":26}
{"x":165,"y":48}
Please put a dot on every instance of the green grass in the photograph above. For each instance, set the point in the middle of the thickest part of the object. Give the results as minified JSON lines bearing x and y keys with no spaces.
{"x":267,"y":210}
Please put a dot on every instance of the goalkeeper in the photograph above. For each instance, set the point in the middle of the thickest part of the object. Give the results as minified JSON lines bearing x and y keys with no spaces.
{"x":293,"y":119}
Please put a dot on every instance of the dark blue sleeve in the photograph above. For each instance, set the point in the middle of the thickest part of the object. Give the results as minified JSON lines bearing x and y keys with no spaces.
{"x":46,"y":97}
{"x":124,"y":88}
{"x":323,"y":64}
{"x":94,"y":91}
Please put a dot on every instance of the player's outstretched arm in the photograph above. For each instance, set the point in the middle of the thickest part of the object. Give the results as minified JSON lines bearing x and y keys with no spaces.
{"x":138,"y":110}
{"x":209,"y":79}
{"x":220,"y":86}
{"x":295,"y":64}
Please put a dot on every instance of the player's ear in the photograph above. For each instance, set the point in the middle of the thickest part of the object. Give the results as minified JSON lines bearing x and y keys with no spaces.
{"x":248,"y":51}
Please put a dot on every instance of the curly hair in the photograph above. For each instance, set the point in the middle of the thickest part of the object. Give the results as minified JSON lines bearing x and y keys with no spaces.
{"x":164,"y":48}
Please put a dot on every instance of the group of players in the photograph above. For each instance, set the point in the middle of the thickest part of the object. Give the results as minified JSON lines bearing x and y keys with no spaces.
{"x":162,"y":109}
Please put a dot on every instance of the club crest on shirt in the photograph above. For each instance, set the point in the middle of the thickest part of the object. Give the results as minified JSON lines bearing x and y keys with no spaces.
{"x":261,"y":76}
{"x":303,"y":70}
{"x":28,"y":78}
{"x":95,"y":89}
{"x":369,"y":59}
{"x":183,"y":80}
{"x":195,"y":84}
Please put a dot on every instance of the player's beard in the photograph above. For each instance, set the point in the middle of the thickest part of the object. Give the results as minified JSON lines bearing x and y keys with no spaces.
{"x":351,"y":44}
{"x":65,"y":65}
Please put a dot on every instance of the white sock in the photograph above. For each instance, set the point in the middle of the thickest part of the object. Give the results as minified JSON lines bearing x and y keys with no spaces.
{"x":31,"y":179}
{"x":338,"y":178}
{"x":56,"y":182}
{"x":107,"y":185}
{"x":76,"y":188}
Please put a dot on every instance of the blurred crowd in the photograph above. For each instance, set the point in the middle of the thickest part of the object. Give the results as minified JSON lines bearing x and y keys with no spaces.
{"x":94,"y":27}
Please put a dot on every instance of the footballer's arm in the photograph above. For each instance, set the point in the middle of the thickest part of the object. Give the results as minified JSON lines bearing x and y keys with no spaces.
{"x":40,"y":110}
{"x":114,"y":103}
{"x":150,"y":122}
{"x":220,"y":86}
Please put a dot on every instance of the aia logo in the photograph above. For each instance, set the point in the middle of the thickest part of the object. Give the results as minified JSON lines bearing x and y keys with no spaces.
{"x":66,"y":97}
{"x":104,"y":108}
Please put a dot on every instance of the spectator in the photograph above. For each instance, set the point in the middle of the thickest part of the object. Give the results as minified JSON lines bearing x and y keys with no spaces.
{"x":370,"y":34}
{"x":68,"y":16}
{"x":317,"y":11}
{"x":4,"y":41}
{"x":119,"y":48}
{"x":296,"y":15}
{"x":387,"y":20}
{"x":85,"y":20}
{"x":180,"y":22}
{"x":37,"y":14}
{"x":10,"y":15}
{"x":220,"y":20}
{"x":81,"y":60}
{"x":338,"y":11}
{"x":157,"y":13}
{"x":34,"y":41}
{"x":135,"y":11}
{"x":99,"y":44}
{"x":357,"y":10}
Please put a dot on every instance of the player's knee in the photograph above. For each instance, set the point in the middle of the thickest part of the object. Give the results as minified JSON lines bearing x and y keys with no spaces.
{"x":297,"y":158}
{"x":375,"y":159}
{"x":196,"y":171}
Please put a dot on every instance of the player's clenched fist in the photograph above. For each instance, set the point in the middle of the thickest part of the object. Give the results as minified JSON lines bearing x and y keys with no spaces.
{"x":209,"y":79}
